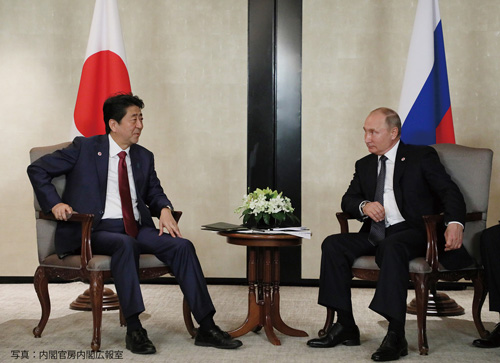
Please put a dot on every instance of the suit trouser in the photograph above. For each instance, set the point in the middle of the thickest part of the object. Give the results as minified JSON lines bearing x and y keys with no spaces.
{"x":490,"y":254}
{"x":392,"y":255}
{"x":109,"y":238}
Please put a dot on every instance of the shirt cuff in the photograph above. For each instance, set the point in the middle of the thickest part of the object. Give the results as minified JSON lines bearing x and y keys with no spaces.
{"x":361,"y":206}
{"x":455,"y":222}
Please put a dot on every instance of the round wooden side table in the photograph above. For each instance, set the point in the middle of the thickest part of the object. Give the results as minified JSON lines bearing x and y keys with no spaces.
{"x":263,"y":283}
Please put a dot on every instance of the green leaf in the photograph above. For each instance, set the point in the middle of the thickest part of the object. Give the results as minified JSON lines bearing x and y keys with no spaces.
{"x":246,"y":218}
{"x":267,"y":218}
{"x":294,"y":219}
{"x":280,"y":216}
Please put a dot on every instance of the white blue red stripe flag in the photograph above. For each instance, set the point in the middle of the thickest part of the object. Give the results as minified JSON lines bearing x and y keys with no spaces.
{"x":425,"y":106}
{"x":104,"y":71}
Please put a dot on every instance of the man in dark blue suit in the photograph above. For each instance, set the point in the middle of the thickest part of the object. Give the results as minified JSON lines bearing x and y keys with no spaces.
{"x":490,"y":255}
{"x":413,"y":183}
{"x":95,"y":172}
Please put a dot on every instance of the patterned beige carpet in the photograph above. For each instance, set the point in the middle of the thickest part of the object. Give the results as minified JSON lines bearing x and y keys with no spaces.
{"x":68,"y":332}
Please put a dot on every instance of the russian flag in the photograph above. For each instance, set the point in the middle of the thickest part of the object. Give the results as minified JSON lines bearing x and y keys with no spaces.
{"x":425,"y":106}
{"x":104,"y":72}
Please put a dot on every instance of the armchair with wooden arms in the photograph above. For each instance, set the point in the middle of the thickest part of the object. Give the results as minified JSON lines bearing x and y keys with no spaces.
{"x":94,"y":269}
{"x":470,"y":169}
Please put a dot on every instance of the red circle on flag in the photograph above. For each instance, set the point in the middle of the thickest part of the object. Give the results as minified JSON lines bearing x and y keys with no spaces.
{"x":103,"y":75}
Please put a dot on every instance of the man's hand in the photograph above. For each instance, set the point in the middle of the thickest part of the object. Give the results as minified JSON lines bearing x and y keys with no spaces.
{"x":454,"y":236}
{"x":62,"y":211}
{"x":375,"y":211}
{"x":167,"y":221}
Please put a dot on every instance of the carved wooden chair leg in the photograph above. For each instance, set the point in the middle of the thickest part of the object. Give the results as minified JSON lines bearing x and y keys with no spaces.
{"x":188,"y":320}
{"x":96,"y":292}
{"x":480,"y":292}
{"x":41,"y":287}
{"x":330,"y":315}
{"x":422,"y":298}
{"x":123,"y":322}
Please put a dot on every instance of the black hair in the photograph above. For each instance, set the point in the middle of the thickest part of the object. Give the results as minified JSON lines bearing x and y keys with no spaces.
{"x":116,"y":106}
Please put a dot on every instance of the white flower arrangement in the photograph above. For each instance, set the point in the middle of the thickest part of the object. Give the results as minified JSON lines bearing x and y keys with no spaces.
{"x":266,"y":207}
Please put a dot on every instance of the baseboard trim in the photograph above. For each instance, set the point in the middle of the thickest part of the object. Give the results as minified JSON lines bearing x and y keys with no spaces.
{"x":166,"y":280}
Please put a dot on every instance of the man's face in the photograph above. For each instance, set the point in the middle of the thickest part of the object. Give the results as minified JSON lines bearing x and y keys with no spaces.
{"x":128,"y":131}
{"x":378,"y":137}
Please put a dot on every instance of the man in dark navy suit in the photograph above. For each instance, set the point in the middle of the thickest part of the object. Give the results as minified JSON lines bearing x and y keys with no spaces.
{"x":392,"y":188}
{"x":97,"y":169}
{"x":490,"y":254}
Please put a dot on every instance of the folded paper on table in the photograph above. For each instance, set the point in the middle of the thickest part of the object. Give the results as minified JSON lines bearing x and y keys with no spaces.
{"x":302,"y":232}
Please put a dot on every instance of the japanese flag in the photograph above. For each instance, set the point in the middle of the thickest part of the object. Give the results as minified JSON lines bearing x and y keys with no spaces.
{"x":104,"y":71}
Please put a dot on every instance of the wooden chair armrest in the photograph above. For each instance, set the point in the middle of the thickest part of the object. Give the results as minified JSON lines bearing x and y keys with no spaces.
{"x":86,"y":221}
{"x":431,"y":223}
{"x":343,"y":219}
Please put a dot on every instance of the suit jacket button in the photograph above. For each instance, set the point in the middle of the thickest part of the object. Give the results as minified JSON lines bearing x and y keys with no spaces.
{"x":101,"y":212}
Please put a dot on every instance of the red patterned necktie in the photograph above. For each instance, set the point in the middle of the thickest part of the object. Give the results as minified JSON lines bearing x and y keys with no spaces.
{"x":124,"y":187}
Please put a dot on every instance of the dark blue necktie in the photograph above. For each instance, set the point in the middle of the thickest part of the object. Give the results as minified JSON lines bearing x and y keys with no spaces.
{"x":377,"y":229}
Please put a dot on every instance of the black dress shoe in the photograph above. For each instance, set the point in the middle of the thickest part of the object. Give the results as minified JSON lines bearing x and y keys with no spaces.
{"x":216,"y":338}
{"x":392,"y":347}
{"x":336,"y":334}
{"x":138,"y":342}
{"x":492,"y":341}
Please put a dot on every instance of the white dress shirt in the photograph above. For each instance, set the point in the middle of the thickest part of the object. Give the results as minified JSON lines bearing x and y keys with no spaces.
{"x":392,"y":213}
{"x":113,"y":206}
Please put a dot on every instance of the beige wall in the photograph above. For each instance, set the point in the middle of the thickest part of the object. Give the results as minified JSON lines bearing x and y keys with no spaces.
{"x":354,"y":57}
{"x":187,"y":60}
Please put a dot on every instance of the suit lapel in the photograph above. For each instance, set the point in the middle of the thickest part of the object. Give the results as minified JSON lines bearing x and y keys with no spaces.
{"x":399,"y":168}
{"x":372,"y":170}
{"x":102,"y":160}
{"x":136,"y":169}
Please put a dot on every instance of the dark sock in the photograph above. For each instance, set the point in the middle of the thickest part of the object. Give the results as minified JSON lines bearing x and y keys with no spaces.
{"x":207,"y":322}
{"x":133,"y":323}
{"x":346,"y":319}
{"x":397,"y":327}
